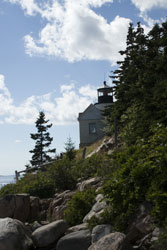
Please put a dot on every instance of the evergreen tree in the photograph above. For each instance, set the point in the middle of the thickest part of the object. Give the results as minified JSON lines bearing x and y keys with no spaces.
{"x":70,"y":149}
{"x":141,"y":83}
{"x":43,"y":141}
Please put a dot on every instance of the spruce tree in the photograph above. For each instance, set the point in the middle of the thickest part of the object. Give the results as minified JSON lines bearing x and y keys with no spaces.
{"x":141,"y":83}
{"x":70,"y":149}
{"x":43,"y":140}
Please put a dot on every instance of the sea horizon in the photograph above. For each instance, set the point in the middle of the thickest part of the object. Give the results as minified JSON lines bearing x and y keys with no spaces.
{"x":6,"y":179}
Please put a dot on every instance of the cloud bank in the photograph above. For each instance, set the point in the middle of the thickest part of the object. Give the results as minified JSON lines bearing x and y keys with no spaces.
{"x":74,"y":31}
{"x":60,"y":110}
{"x":146,"y":5}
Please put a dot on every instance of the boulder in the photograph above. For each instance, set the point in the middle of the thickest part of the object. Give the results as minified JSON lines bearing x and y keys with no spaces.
{"x":34,"y":208}
{"x":99,"y":197}
{"x":7,"y":206}
{"x":92,"y":182}
{"x":43,"y":208}
{"x":80,"y":240}
{"x":142,"y":224}
{"x":100,"y":231}
{"x":22,"y":207}
{"x":13,"y":235}
{"x":76,"y":228}
{"x":96,"y":210}
{"x":35,"y":225}
{"x":15,"y":206}
{"x":106,"y":145}
{"x":113,"y":241}
{"x":58,"y":205}
{"x":48,"y":234}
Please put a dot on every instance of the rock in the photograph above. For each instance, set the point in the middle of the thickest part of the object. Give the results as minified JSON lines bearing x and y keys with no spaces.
{"x":155,"y":234}
{"x":96,"y":210}
{"x":113,"y":241}
{"x":34,"y":209}
{"x":107,"y":145}
{"x":15,"y":206}
{"x":89,"y":216}
{"x":80,"y":240}
{"x":48,"y":234}
{"x":58,"y":205}
{"x":141,"y":225}
{"x":13,"y":235}
{"x":44,"y":206}
{"x":7,"y":206}
{"x":98,"y":206}
{"x":35,"y":226}
{"x":100,"y":231}
{"x":93,"y":182}
{"x":22,"y":207}
{"x":144,"y":243}
{"x":76,"y":228}
{"x":99,"y":197}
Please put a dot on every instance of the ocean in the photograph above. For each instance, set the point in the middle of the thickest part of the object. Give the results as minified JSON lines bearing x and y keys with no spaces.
{"x":6,"y":179}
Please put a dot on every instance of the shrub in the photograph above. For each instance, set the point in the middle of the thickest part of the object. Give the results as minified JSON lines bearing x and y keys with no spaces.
{"x":62,"y":176}
{"x":79,"y":206}
{"x":161,"y":243}
{"x":8,"y":189}
{"x":41,"y":186}
{"x":96,"y":165}
{"x":141,"y":174}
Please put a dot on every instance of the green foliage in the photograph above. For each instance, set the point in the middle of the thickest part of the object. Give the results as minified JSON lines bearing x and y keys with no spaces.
{"x":37,"y":185}
{"x":59,"y":176}
{"x":161,"y":243}
{"x":8,"y":189}
{"x":79,"y":206}
{"x":43,"y":141}
{"x":96,"y":165}
{"x":61,"y":173}
{"x":141,"y":175}
{"x":105,"y":218}
{"x":140,"y":84}
{"x":70,"y":149}
{"x":141,"y":112}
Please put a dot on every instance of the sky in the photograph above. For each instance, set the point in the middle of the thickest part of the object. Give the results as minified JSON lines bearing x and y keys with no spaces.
{"x":54,"y":54}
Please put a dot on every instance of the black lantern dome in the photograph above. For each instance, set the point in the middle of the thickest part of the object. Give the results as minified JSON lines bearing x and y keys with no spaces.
{"x":105,"y":94}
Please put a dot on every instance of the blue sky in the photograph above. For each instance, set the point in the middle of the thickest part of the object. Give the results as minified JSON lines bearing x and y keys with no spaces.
{"x":54,"y":54}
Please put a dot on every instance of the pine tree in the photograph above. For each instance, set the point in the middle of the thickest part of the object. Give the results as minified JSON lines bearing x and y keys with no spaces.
{"x":70,"y":149}
{"x":43,"y":140}
{"x":141,"y":83}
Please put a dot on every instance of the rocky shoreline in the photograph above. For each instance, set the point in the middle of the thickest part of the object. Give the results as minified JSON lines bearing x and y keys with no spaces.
{"x":29,"y":223}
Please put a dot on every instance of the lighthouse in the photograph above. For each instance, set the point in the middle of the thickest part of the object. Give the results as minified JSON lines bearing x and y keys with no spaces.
{"x":91,"y":120}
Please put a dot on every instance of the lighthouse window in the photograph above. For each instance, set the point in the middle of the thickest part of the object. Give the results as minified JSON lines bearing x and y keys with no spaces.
{"x":92,"y":128}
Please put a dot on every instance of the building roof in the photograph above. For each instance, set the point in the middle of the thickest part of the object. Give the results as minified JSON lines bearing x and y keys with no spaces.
{"x":90,"y":113}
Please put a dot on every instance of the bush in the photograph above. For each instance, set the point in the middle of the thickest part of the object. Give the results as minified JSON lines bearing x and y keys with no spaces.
{"x":62,"y":176}
{"x":161,"y":243}
{"x":96,"y":165}
{"x":8,"y":189}
{"x":40,"y":186}
{"x":80,"y":204}
{"x":141,"y":175}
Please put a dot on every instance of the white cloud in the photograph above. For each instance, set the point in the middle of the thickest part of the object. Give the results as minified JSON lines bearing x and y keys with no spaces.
{"x":29,"y":6}
{"x":145,"y":5}
{"x":74,"y":31}
{"x":66,"y":88}
{"x":88,"y":90}
{"x":59,"y":110}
